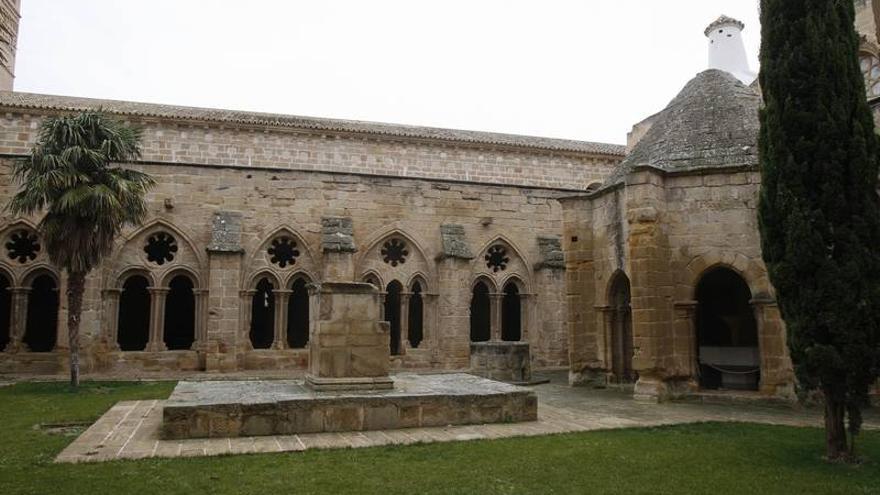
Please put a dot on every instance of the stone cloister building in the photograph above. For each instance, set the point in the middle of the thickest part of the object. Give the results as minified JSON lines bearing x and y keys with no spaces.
{"x":635,"y":264}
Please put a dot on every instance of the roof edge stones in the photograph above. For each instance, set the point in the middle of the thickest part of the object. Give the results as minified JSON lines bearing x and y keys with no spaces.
{"x":31,"y":101}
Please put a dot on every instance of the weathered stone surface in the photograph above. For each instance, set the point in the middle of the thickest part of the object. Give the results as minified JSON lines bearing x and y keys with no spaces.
{"x":226,"y":233}
{"x":551,"y":253}
{"x":504,"y":361}
{"x":337,"y":235}
{"x":253,"y":408}
{"x":454,"y":242}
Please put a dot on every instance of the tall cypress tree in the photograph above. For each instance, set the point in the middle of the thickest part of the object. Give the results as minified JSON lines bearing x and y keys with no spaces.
{"x":819,"y":212}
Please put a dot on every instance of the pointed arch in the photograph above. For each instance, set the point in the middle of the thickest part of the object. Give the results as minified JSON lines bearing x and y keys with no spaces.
{"x":43,"y":304}
{"x":618,"y":328}
{"x":407,"y":258}
{"x":134,"y":314}
{"x":303,"y":256}
{"x":373,"y":277}
{"x":726,"y":331}
{"x":131,"y":253}
{"x":505,"y":260}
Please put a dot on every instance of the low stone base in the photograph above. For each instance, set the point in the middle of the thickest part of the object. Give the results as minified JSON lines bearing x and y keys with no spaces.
{"x":505,"y":361}
{"x":255,"y":408}
{"x":319,"y":384}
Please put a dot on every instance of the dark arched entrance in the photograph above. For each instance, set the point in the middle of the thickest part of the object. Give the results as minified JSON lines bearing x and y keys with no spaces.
{"x":180,"y":314}
{"x":621,"y":342}
{"x":727,"y":333}
{"x":392,"y":314}
{"x":42,"y":315}
{"x":481,"y":330}
{"x":5,"y":312}
{"x":298,"y":316}
{"x":262,"y":333}
{"x":511,"y":314}
{"x":133,"y":325}
{"x":416,"y":316}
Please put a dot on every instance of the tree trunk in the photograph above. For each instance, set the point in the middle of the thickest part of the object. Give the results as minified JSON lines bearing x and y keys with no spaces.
{"x":75,"y":289}
{"x":835,"y":428}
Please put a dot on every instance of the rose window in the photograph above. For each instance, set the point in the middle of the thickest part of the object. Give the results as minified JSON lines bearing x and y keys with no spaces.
{"x":394,"y":252}
{"x":22,"y":246}
{"x":283,"y":251}
{"x":161,"y":248}
{"x":496,"y":258}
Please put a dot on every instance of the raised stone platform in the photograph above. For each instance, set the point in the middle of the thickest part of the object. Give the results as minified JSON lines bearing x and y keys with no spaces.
{"x":257,"y":408}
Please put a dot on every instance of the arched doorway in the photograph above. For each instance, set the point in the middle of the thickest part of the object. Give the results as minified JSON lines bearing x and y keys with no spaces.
{"x":298,"y":315}
{"x":727,"y":333}
{"x":392,"y":314}
{"x":133,"y":327}
{"x":416,"y":315}
{"x":511,"y":314}
{"x":262,"y":332}
{"x":620,"y":331}
{"x":180,"y":314}
{"x":42,"y":315}
{"x":481,"y":330}
{"x":5,"y":312}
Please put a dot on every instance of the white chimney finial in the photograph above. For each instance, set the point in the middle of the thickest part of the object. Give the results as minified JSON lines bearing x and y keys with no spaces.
{"x":726,"y":49}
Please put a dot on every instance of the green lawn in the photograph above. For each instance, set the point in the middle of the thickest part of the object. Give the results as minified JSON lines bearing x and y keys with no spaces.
{"x":708,"y":458}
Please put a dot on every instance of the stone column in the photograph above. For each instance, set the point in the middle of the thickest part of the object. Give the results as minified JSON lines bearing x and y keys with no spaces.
{"x":526,"y":307}
{"x":382,"y":295}
{"x":18,"y":319}
{"x":200,"y":296}
{"x":777,"y":375}
{"x":495,"y":316}
{"x":404,"y":322}
{"x":605,"y":335}
{"x":282,"y":297}
{"x":111,"y":318}
{"x":223,"y":321}
{"x":245,"y":313}
{"x":158,"y":295}
{"x":651,"y":283}
{"x":685,"y":344}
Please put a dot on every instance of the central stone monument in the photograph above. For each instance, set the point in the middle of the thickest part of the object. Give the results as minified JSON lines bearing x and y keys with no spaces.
{"x":347,"y":387}
{"x":349,"y":348}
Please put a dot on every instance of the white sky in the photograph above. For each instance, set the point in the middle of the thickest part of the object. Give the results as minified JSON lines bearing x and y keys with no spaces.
{"x":578,"y":69}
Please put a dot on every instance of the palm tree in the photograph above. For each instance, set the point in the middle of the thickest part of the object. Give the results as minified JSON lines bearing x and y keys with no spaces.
{"x":70,"y":174}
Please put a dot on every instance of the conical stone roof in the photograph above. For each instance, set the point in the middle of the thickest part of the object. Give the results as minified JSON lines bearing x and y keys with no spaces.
{"x":712,"y":123}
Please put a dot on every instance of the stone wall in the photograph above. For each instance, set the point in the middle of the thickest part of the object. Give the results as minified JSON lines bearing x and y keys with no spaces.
{"x":665,"y":232}
{"x":266,"y":185}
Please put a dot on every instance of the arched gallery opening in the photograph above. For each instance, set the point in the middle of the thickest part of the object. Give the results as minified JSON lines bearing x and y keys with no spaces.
{"x":392,"y":314}
{"x":620,"y":331}
{"x":511,"y":314}
{"x":5,"y":312}
{"x":41,"y":326}
{"x":481,"y":330}
{"x":298,"y":315}
{"x":415,"y":330}
{"x":727,"y":333}
{"x":180,"y":314}
{"x":133,"y":326}
{"x":262,"y":332}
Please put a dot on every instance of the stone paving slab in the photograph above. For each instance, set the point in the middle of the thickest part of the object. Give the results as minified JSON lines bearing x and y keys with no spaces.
{"x":130,"y":430}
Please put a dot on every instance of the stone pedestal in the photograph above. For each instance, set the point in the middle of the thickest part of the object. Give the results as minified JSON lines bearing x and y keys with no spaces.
{"x":349,"y":347}
{"x":503,"y":361}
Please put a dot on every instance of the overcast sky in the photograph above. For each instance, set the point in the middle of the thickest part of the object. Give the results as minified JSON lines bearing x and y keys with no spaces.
{"x":578,"y":69}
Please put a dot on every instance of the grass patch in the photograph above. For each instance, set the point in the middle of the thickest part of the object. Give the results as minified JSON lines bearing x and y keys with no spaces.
{"x":705,"y":458}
